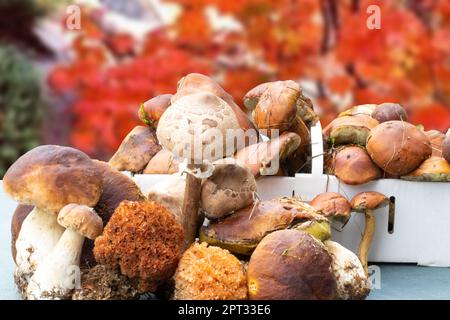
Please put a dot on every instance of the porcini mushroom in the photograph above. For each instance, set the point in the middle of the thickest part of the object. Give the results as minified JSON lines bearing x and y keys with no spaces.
{"x":151,"y":110}
{"x":48,"y":177}
{"x":389,"y":112}
{"x":446,"y":147}
{"x":349,"y":129}
{"x":332,"y":205}
{"x":367,"y":203}
{"x":54,"y":276}
{"x":398,"y":147}
{"x":291,"y":265}
{"x":434,"y":169}
{"x":436,"y":139}
{"x":230,"y":187}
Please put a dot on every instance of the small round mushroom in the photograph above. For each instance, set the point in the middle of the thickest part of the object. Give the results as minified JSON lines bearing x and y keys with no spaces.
{"x":352,"y":282}
{"x":367,"y":203}
{"x":398,"y":147}
{"x":164,"y":162}
{"x":332,"y":205}
{"x":446,"y":147}
{"x":434,"y":169}
{"x":353,"y":166}
{"x":389,"y":112}
{"x":291,"y":265}
{"x":350,"y":130}
{"x":231,"y":187}
{"x":151,"y":110}
{"x":53,"y":278}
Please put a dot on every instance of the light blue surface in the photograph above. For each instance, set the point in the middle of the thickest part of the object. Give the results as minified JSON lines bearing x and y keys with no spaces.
{"x":397,"y":281}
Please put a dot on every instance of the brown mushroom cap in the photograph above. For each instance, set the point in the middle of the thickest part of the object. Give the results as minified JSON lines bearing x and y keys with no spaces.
{"x":291,"y":265}
{"x":151,"y":110}
{"x":446,"y":147}
{"x":389,"y":112}
{"x":251,"y":98}
{"x":21,"y":212}
{"x":332,"y":204}
{"x":164,"y":162}
{"x":51,"y":177}
{"x":136,"y":150}
{"x":353,"y":166}
{"x":229,"y":188}
{"x":434,"y":169}
{"x":398,"y":147}
{"x":81,"y":219}
{"x":350,"y":129}
{"x":437,"y":141}
{"x":370,"y":200}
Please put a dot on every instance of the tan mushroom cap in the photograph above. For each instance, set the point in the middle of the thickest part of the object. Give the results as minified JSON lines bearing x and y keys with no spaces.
{"x":370,"y":200}
{"x":436,"y":139}
{"x":332,"y":204}
{"x":434,"y":169}
{"x":164,"y":162}
{"x":81,"y":219}
{"x":365,"y":109}
{"x":446,"y":147}
{"x":51,"y":177}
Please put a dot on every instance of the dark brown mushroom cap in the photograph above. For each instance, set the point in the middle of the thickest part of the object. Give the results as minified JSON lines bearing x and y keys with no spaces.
{"x":353,"y":166}
{"x":332,"y":204}
{"x":291,"y":265}
{"x":81,"y":219}
{"x":434,"y":169}
{"x":21,"y":212}
{"x":446,"y":147}
{"x":136,"y":150}
{"x":51,"y":177}
{"x":398,"y":147}
{"x":350,"y":129}
{"x":389,"y":112}
{"x":370,"y":200}
{"x":436,"y":139}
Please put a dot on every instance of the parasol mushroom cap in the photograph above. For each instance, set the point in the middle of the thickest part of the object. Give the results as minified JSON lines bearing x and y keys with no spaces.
{"x":350,"y":129}
{"x":389,"y":112}
{"x":332,"y":205}
{"x":353,"y":166}
{"x":230,"y":187}
{"x":398,"y":147}
{"x":81,"y":219}
{"x":370,"y":200}
{"x":434,"y":169}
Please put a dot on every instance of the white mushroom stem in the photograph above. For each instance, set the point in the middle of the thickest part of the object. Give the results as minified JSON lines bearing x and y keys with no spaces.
{"x":55,"y":276}
{"x":191,"y":205}
{"x":38,"y":236}
{"x":366,"y":239}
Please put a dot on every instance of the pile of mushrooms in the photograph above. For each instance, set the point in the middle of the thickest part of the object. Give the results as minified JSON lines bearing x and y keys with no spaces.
{"x":368,"y":142}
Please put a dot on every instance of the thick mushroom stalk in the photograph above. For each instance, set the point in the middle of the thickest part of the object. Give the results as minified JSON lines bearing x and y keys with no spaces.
{"x":55,"y":275}
{"x":191,"y":205}
{"x":367,"y":203}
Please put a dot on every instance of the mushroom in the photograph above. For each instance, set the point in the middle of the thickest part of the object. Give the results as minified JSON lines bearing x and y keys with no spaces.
{"x":48,"y":177}
{"x":19,"y":215}
{"x":242,"y":231}
{"x":389,"y":112}
{"x":353,"y":166}
{"x":197,"y":127}
{"x":164,"y":162}
{"x":54,"y":276}
{"x":436,"y":139}
{"x":230,"y":187}
{"x":251,"y":98}
{"x":398,"y":147}
{"x":136,"y":150}
{"x":291,"y":265}
{"x":434,"y":169}
{"x":209,"y":273}
{"x":264,"y":158}
{"x":151,"y":110}
{"x":352,"y":282}
{"x":349,"y":130}
{"x":365,"y":109}
{"x":367,"y":203}
{"x":144,"y":240}
{"x":332,"y":205}
{"x":446,"y":147}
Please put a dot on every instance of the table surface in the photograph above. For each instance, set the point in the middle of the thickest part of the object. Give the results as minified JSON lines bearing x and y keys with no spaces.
{"x":397,"y":281}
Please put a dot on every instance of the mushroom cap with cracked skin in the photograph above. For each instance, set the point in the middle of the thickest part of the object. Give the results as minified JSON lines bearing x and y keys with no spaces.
{"x":446,"y":147}
{"x":436,"y":139}
{"x":350,"y":129}
{"x":434,"y":169}
{"x":398,"y":147}
{"x":332,"y":205}
{"x":291,"y":265}
{"x":50,"y":177}
{"x":209,"y":273}
{"x":369,"y":200}
{"x":230,"y":187}
{"x":136,"y":150}
{"x":388,"y":112}
{"x":81,"y":219}
{"x":142,"y":239}
{"x":353,"y":166}
{"x":196,"y":127}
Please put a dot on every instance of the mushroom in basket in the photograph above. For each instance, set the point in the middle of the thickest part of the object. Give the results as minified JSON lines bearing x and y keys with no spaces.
{"x":446,"y":147}
{"x":332,"y":205}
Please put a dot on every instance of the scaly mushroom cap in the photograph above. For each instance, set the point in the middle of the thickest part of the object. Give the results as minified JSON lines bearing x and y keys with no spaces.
{"x":370,"y":200}
{"x":446,"y":147}
{"x":434,"y":169}
{"x":398,"y":147}
{"x":291,"y":265}
{"x":192,"y":124}
{"x":151,"y":110}
{"x":353,"y":166}
{"x":81,"y":219}
{"x":230,"y":187}
{"x":350,"y":129}
{"x":436,"y":139}
{"x":389,"y":112}
{"x":51,"y":177}
{"x":209,"y":273}
{"x":332,"y":205}
{"x":136,"y":150}
{"x":164,"y":162}
{"x":365,"y":109}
